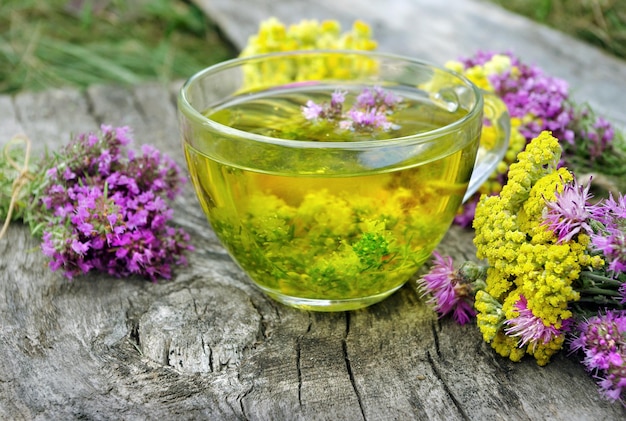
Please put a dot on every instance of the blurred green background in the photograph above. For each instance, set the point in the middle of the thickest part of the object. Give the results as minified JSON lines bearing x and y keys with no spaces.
{"x":598,"y":22}
{"x":81,"y":42}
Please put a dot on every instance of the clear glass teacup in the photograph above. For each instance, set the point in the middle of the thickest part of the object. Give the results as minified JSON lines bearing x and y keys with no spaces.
{"x":331,"y":176}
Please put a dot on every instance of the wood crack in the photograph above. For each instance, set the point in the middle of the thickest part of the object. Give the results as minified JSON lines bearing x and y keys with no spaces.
{"x":449,"y":392}
{"x":264,"y":325}
{"x":299,"y":371}
{"x":434,"y":325}
{"x":166,"y":352}
{"x":132,"y":324}
{"x":206,"y":347}
{"x":346,"y":356}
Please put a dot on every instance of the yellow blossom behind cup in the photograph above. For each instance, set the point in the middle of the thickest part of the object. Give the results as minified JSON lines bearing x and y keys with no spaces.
{"x":274,"y":36}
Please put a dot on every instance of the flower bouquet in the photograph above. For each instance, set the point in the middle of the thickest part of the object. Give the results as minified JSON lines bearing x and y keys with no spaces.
{"x":555,"y":270}
{"x":96,"y":205}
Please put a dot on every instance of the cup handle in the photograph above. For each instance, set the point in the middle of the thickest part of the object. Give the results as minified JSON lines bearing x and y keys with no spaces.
{"x":494,"y":141}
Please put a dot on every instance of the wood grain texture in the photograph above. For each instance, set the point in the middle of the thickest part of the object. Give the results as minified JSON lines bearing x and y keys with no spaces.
{"x":208,"y":345}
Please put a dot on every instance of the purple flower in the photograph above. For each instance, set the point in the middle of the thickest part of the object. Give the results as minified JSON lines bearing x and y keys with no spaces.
{"x":527,"y":91}
{"x":449,"y":292}
{"x":111,"y":214}
{"x":530,"y":329}
{"x":366,"y":99}
{"x":569,"y":214}
{"x":48,"y":246}
{"x":613,"y":211}
{"x":602,"y":339}
{"x":337,"y":98}
{"x":369,"y":112}
{"x":376,"y":97}
{"x":311,"y":110}
{"x":68,"y":174}
{"x":611,"y":239}
{"x":79,"y":247}
{"x":366,"y":118}
{"x":612,"y":245}
{"x":595,"y":136}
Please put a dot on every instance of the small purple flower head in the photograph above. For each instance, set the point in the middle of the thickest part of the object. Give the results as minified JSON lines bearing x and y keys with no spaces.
{"x":366,"y":99}
{"x":369,"y":112}
{"x":449,"y":292}
{"x":311,"y":110}
{"x":612,"y":245}
{"x":530,"y":329}
{"x":570,"y":213}
{"x":602,"y":339}
{"x":80,"y":247}
{"x":361,"y":118}
{"x":337,"y":98}
{"x":377,"y":98}
{"x":611,"y":241}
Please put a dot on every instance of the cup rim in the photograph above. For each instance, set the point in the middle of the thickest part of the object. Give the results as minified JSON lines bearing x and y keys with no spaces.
{"x":191,"y":112}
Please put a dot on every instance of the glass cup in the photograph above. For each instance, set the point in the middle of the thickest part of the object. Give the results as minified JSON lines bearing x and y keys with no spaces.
{"x":331,"y":176}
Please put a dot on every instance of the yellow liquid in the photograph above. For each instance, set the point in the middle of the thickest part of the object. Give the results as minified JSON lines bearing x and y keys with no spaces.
{"x":320,"y":236}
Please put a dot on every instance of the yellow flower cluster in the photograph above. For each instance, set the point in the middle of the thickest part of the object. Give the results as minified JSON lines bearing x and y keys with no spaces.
{"x":274,"y":37}
{"x":523,"y":254}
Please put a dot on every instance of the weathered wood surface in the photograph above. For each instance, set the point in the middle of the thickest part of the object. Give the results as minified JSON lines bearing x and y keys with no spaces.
{"x":208,"y":345}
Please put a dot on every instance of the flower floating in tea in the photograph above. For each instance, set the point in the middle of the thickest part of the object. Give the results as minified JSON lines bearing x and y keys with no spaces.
{"x":370,"y":111}
{"x":99,"y":207}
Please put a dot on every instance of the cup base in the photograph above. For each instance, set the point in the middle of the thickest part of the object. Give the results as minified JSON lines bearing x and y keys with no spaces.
{"x":312,"y":304}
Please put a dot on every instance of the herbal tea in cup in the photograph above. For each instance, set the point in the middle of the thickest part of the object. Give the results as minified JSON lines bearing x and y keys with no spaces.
{"x":331,"y":176}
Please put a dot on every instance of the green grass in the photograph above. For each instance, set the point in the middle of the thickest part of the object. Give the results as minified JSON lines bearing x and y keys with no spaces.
{"x":598,"y":22}
{"x":52,"y":43}
{"x":56,"y":43}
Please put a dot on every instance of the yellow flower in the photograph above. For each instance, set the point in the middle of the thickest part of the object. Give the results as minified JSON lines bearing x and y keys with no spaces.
{"x":455,"y":66}
{"x":274,"y":36}
{"x":506,"y":346}
{"x":498,"y":64}
{"x":523,"y":254}
{"x":543,"y":352}
{"x":490,"y":316}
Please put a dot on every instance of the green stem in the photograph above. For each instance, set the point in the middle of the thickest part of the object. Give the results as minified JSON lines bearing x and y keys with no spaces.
{"x":603,"y":280}
{"x":600,"y":291}
{"x":600,"y":300}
